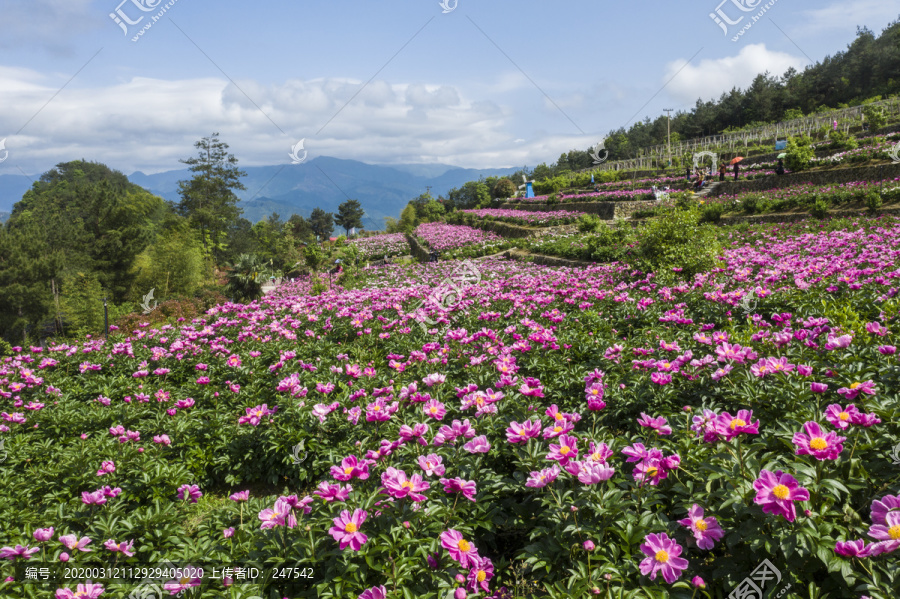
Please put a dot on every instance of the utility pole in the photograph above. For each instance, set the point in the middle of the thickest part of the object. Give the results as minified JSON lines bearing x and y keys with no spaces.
{"x":668,"y":112}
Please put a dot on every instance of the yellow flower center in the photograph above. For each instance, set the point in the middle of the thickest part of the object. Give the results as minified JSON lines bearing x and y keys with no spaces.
{"x":662,"y":556}
{"x":407,"y":485}
{"x":351,"y":527}
{"x":652,"y":470}
{"x":844,"y":416}
{"x":781,"y":492}
{"x":736,"y":423}
{"x":463,"y":545}
{"x":376,"y":408}
{"x":597,"y":457}
{"x":855,"y":385}
{"x":559,"y":416}
{"x":184,"y":581}
{"x":348,"y":470}
{"x":433,"y":410}
{"x":894,"y":532}
{"x":818,"y":444}
{"x":557,"y":429}
{"x":565,"y":450}
{"x":701,"y":525}
{"x":481,"y":576}
{"x":521,"y":433}
{"x":667,"y":365}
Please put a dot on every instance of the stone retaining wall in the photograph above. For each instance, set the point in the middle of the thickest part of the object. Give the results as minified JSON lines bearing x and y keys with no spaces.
{"x":825,"y":177}
{"x":417,"y":250}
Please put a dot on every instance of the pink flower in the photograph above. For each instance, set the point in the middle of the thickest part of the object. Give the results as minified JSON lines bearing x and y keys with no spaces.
{"x":817,"y":443}
{"x":191,"y":492}
{"x":590,"y":472}
{"x":729,"y":426}
{"x":176,"y":586}
{"x":432,"y":464}
{"x":855,"y":389}
{"x":255,"y":415}
{"x":840,"y":417}
{"x":818,"y":387}
{"x":480,"y":575}
{"x":777,"y":492}
{"x":888,"y":534}
{"x":565,"y":451}
{"x":72,"y":542}
{"x":124,"y":547}
{"x":346,"y":529}
{"x":706,"y":531}
{"x":350,"y":467}
{"x":279,"y":515}
{"x":330,"y":492}
{"x":662,"y":556}
{"x":19,"y":551}
{"x":93,"y":498}
{"x":89,"y":590}
{"x":478,"y":445}
{"x":434,"y":379}
{"x":852,"y":548}
{"x":374,"y":593}
{"x":43,"y":534}
{"x":162,"y":439}
{"x":882,"y":507}
{"x":661,"y":378}
{"x":543,"y":477}
{"x":460,"y":549}
{"x":240,"y":496}
{"x":106,"y":468}
{"x":458,"y":485}
{"x":660,"y":425}
{"x":434,"y":409}
{"x":233,"y":360}
{"x":397,"y":485}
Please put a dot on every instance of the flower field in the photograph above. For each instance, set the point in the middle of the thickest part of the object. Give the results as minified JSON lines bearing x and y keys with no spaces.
{"x":549,"y":433}
{"x":379,"y":246}
{"x":521,"y":217}
{"x":442,"y":237}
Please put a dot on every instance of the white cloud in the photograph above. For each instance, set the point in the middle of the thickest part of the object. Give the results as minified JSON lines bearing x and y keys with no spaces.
{"x":711,"y":78}
{"x":149,"y":124}
{"x":843,"y":15}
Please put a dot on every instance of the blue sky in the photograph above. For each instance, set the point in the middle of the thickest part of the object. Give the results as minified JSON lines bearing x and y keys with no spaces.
{"x":488,"y":84}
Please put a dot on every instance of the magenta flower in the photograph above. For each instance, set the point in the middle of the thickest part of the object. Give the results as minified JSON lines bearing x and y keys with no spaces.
{"x":255,"y":415}
{"x":233,"y":360}
{"x":660,"y":425}
{"x":839,"y":417}
{"x":777,"y":492}
{"x":17,"y":552}
{"x":590,"y":472}
{"x":434,"y":409}
{"x":662,"y":556}
{"x":565,"y":451}
{"x":852,"y":548}
{"x":729,"y":426}
{"x":346,"y":529}
{"x":460,"y":549}
{"x":543,"y":477}
{"x":458,"y":485}
{"x":72,"y":542}
{"x":124,"y":547}
{"x":478,"y":445}
{"x":179,"y":585}
{"x":93,"y":498}
{"x":162,"y":439}
{"x":661,"y":378}
{"x":599,"y":452}
{"x":191,"y":492}
{"x":397,"y":485}
{"x":106,"y":468}
{"x":434,"y":379}
{"x":43,"y":534}
{"x":480,"y":575}
{"x":89,"y":590}
{"x":818,"y":387}
{"x":706,"y":531}
{"x":817,"y":443}
{"x":350,"y":467}
{"x":330,"y":492}
{"x":882,"y":507}
{"x":432,"y":464}
{"x":855,"y":389}
{"x":888,"y":534}
{"x":279,"y":515}
{"x":240,"y":496}
{"x":374,"y":593}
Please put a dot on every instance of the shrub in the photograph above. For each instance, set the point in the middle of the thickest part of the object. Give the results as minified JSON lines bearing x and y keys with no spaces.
{"x":751,"y":204}
{"x":712,"y":213}
{"x":820,"y":207}
{"x":838,"y":140}
{"x":609,"y":243}
{"x":677,"y":240}
{"x":589,"y":223}
{"x":873,"y":201}
{"x":874,"y":116}
{"x":799,"y":153}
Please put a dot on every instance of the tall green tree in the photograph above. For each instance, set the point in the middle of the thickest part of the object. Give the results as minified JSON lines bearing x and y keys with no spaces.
{"x":349,"y":216}
{"x":208,"y":199}
{"x":322,"y":223}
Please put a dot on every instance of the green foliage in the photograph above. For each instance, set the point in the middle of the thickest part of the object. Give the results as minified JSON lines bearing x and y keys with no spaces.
{"x":677,"y":240}
{"x":408,"y":219}
{"x":503,"y":189}
{"x":838,"y":140}
{"x":470,"y":195}
{"x":349,"y":215}
{"x":799,"y":153}
{"x":589,"y":223}
{"x":172,"y":265}
{"x":81,"y":304}
{"x":820,"y":206}
{"x":321,"y":223}
{"x":247,"y":276}
{"x":208,"y":199}
{"x":874,"y":115}
{"x":873,"y":202}
{"x":711,"y":213}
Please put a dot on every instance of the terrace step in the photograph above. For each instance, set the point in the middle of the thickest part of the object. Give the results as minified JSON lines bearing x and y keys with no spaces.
{"x":707,"y":190}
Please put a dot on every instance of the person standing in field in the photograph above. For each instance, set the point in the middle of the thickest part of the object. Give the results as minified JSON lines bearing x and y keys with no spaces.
{"x":722,"y":170}
{"x":737,"y":171}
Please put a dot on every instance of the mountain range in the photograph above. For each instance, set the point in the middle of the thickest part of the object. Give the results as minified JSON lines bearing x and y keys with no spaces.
{"x":323,"y":182}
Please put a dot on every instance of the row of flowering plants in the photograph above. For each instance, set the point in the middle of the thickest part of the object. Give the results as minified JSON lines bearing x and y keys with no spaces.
{"x":380,"y":246}
{"x":548,"y":433}
{"x":806,"y":194}
{"x":526,"y":218}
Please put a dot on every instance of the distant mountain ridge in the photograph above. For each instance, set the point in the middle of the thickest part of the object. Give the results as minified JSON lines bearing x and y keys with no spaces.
{"x":323,"y":182}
